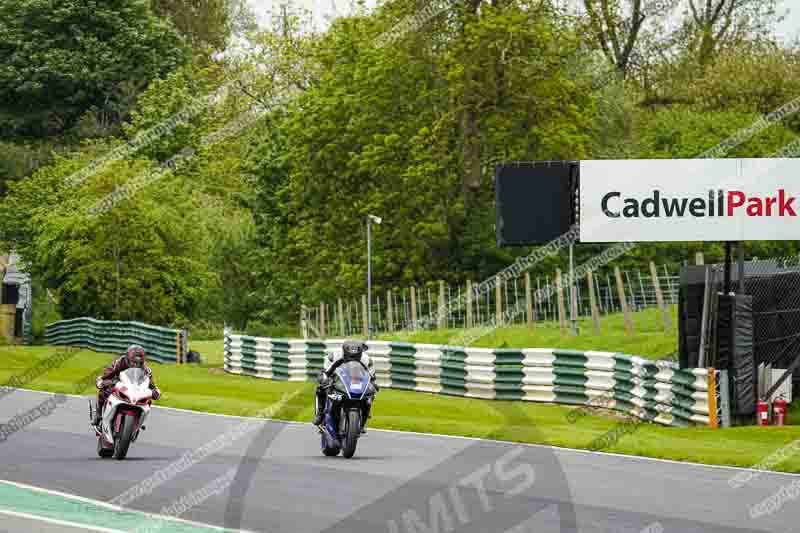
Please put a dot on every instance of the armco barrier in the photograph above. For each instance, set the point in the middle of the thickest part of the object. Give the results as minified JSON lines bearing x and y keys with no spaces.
{"x":654,"y":391}
{"x":162,"y":344}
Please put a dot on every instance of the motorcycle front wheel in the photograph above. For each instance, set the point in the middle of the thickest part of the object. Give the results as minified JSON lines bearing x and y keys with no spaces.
{"x":352,"y":431}
{"x":123,"y":441}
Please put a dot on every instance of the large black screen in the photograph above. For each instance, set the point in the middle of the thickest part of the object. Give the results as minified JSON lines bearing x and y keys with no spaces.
{"x":535,"y":201}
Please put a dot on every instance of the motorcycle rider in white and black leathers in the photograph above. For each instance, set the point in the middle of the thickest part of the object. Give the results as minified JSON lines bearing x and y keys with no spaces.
{"x":351,"y":351}
{"x":134,"y":357}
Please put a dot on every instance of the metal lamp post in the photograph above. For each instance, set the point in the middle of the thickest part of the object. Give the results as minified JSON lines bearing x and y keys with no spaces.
{"x":573,"y":293}
{"x":370,"y":220}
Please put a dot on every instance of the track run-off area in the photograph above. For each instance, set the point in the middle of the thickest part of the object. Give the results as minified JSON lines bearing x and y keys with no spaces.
{"x":53,"y":481}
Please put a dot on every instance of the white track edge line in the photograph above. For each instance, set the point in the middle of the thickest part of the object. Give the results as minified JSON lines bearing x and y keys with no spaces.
{"x":479,"y":439}
{"x":76,"y":525}
{"x":118,"y":508}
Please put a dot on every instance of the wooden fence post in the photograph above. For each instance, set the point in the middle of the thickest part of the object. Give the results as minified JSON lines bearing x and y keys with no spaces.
{"x":430,"y":307}
{"x":623,"y":302}
{"x":352,"y":317}
{"x":562,"y":320}
{"x":529,"y":300}
{"x":539,"y":306}
{"x":442,"y":307}
{"x":699,"y":259}
{"x":593,"y":302}
{"x":469,"y":304}
{"x":364,"y":315}
{"x":322,"y":331}
{"x":399,"y":309}
{"x":303,"y":322}
{"x":341,"y":318}
{"x":506,"y":301}
{"x":498,"y":301}
{"x":660,"y":297}
{"x":389,"y":310}
{"x":413,"y":308}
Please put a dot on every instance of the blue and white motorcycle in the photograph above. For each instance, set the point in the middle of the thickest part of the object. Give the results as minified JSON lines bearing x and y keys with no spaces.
{"x":347,"y":406}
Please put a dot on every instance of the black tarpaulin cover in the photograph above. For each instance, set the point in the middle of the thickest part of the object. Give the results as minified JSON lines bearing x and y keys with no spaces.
{"x":743,"y":363}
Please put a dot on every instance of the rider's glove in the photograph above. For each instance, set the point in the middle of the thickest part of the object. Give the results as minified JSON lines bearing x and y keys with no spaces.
{"x":156,"y":393}
{"x":324,"y":380}
{"x":104,"y":383}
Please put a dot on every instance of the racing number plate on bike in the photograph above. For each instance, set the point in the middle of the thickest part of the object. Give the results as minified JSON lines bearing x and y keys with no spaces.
{"x":356,"y":383}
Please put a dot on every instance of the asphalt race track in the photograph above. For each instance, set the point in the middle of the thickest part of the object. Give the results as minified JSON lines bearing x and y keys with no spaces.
{"x":397,"y":483}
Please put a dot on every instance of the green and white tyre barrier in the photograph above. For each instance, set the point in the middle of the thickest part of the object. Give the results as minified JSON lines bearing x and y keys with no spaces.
{"x":27,"y":333}
{"x":655,"y":391}
{"x":113,"y":336}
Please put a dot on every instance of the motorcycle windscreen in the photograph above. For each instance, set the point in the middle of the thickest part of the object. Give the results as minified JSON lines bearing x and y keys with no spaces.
{"x":134,"y":376}
{"x":354,"y":377}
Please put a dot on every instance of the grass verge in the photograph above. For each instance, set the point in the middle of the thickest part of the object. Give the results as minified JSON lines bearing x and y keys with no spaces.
{"x":648,"y":338}
{"x":206,"y":388}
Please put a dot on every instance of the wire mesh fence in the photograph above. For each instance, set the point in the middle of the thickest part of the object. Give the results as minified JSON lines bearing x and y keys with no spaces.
{"x":774,"y":285}
{"x":773,"y":288}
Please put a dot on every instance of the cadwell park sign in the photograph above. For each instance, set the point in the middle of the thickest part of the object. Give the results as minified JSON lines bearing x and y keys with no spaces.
{"x":689,"y":200}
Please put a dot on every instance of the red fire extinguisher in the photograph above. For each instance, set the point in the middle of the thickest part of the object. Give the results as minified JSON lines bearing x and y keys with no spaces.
{"x":779,"y":407}
{"x":762,"y":413}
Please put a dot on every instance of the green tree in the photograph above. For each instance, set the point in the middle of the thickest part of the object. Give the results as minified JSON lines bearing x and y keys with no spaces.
{"x":207,"y":25}
{"x":756,"y":76}
{"x":382,"y":130}
{"x":683,"y":132}
{"x":145,"y":259}
{"x":157,"y":255}
{"x":62,"y":58}
{"x":715,"y":24}
{"x":621,"y":28}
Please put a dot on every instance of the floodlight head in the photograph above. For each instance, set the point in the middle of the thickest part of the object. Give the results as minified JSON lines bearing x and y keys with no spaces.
{"x":375,"y":219}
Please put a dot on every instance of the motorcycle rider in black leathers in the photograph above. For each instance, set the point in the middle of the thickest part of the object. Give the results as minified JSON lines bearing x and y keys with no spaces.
{"x":351,"y":351}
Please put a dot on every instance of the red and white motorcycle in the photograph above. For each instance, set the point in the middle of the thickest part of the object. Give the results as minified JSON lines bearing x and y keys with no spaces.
{"x":124,"y":414}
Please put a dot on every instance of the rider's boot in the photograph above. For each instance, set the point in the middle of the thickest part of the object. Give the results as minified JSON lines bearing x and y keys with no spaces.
{"x":320,"y":410}
{"x":365,"y":418}
{"x":97,"y":417}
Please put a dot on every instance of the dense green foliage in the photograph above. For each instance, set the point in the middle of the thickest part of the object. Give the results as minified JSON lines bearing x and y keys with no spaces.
{"x":207,"y":25}
{"x":252,"y":223}
{"x":63,"y":58}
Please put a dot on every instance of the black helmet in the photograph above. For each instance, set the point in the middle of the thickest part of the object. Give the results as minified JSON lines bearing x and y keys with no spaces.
{"x":352,"y":350}
{"x":135,"y":356}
